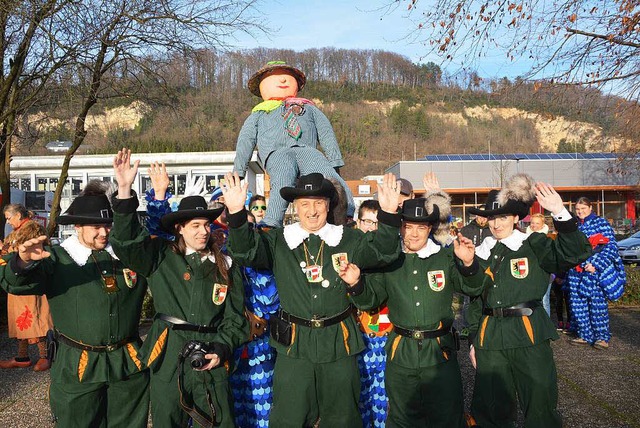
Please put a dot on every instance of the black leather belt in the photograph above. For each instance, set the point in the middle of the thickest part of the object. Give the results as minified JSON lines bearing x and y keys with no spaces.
{"x":180,"y":324}
{"x":519,"y":310}
{"x":421,"y":334}
{"x":94,"y":348}
{"x":316,"y":322}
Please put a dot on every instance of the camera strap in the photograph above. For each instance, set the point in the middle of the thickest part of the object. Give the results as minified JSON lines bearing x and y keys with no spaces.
{"x":205,"y":421}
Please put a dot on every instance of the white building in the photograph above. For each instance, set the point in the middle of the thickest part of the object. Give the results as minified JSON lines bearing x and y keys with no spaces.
{"x":41,"y":173}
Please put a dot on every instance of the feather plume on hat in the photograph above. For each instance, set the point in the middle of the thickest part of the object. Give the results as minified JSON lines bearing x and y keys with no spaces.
{"x":443,"y":201}
{"x":520,"y":187}
{"x":96,"y":188}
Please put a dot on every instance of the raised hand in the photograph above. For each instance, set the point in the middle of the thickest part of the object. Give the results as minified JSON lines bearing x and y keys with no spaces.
{"x":124,"y":172}
{"x":33,"y":250}
{"x":430,"y":183}
{"x":159,"y":179}
{"x":234,"y":192}
{"x":349,"y":273}
{"x":389,"y":194}
{"x":195,"y":186}
{"x":464,"y":249}
{"x":548,"y":198}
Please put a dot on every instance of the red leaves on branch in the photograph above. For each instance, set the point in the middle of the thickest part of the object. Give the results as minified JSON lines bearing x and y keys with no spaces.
{"x":25,"y":319}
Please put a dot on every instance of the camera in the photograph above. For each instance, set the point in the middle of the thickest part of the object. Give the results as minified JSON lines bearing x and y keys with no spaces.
{"x":194,"y":352}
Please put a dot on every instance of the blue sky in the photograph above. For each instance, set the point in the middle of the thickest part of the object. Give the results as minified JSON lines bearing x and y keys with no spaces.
{"x":357,"y":24}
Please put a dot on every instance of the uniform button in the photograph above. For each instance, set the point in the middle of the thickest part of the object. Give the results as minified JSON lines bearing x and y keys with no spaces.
{"x":495,"y":257}
{"x":112,"y":315}
{"x":315,"y":296}
{"x":415,"y":288}
{"x":499,"y":302}
{"x":495,"y":285}
{"x":104,"y":272}
{"x":417,"y":303}
{"x":415,"y":272}
{"x":113,"y":337}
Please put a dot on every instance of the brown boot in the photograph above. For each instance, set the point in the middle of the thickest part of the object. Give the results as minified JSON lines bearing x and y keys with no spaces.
{"x":41,"y":365}
{"x":14,"y":364}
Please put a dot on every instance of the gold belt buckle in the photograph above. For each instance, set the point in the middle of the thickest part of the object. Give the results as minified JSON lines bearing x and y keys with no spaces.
{"x":417,"y":334}
{"x":316,"y":323}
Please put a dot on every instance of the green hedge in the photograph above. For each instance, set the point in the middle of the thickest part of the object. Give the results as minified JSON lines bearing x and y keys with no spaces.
{"x":631,"y":296}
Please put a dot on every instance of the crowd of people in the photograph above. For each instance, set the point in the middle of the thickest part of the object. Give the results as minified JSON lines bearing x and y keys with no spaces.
{"x":320,"y":322}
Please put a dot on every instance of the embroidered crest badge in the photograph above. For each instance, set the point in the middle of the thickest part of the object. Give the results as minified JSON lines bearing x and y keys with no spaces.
{"x":219,"y":293}
{"x":130,"y":277}
{"x":436,"y":280}
{"x":313,"y":273}
{"x":519,"y":267}
{"x":338,"y":259}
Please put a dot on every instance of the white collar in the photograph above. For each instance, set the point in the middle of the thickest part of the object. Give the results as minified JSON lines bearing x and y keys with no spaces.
{"x":294,"y":234}
{"x":81,"y":253}
{"x":209,"y":256}
{"x":429,"y":249}
{"x":545,"y":230}
{"x":512,"y":242}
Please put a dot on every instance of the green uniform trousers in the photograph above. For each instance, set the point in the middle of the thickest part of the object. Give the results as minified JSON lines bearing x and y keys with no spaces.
{"x":425,"y":397}
{"x":504,"y":377}
{"x":123,"y":403}
{"x":304,"y":391}
{"x":166,"y":410}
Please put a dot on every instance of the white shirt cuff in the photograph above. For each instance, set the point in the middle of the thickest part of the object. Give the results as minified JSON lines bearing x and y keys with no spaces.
{"x":563,"y":216}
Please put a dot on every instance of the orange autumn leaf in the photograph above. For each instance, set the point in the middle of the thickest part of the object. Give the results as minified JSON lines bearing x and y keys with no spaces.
{"x":25,"y":319}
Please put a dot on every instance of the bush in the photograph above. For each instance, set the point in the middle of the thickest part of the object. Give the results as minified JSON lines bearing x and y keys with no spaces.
{"x":631,"y":294}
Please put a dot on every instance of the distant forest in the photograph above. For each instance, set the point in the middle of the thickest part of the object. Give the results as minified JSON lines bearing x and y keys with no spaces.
{"x":383,"y":107}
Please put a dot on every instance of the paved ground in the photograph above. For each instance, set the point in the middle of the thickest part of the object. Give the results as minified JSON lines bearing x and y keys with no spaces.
{"x":598,"y":389}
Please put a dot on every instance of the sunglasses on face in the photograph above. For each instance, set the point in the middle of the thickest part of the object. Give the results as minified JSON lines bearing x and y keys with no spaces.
{"x":258,"y":208}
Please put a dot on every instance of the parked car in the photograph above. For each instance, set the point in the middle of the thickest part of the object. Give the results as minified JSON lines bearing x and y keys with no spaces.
{"x":629,"y":249}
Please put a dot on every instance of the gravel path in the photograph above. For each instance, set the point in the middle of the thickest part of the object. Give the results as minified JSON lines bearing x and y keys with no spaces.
{"x":598,"y":389}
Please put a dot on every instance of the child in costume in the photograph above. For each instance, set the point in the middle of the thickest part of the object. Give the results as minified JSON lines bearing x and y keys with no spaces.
{"x":287,"y":131}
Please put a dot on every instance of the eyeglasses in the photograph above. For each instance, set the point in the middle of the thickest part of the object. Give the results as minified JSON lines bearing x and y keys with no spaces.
{"x":258,"y":207}
{"x":368,"y":222}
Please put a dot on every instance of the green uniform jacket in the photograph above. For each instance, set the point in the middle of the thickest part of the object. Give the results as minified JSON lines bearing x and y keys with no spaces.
{"x":269,"y":250}
{"x":82,"y":310}
{"x":182,"y":287}
{"x":513,"y":277}
{"x":419,"y":292}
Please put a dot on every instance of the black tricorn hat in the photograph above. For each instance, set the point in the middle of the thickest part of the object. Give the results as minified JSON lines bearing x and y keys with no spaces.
{"x":415,"y":210}
{"x":88,"y":209}
{"x":493,"y":208}
{"x":309,"y":185}
{"x":254,"y":81}
{"x":190,"y":207}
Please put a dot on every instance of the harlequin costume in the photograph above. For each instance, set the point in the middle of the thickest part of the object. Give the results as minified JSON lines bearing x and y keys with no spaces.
{"x":509,"y":328}
{"x":28,"y":317}
{"x":193,"y":301}
{"x":423,"y":378}
{"x":97,"y":378}
{"x":315,"y":336}
{"x":375,"y":326}
{"x":287,"y":133}
{"x":589,"y":292}
{"x":252,"y":380}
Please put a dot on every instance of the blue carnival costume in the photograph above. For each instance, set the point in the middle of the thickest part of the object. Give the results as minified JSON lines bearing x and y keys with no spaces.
{"x":588,"y":292}
{"x":251,"y":382}
{"x":373,"y":397}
